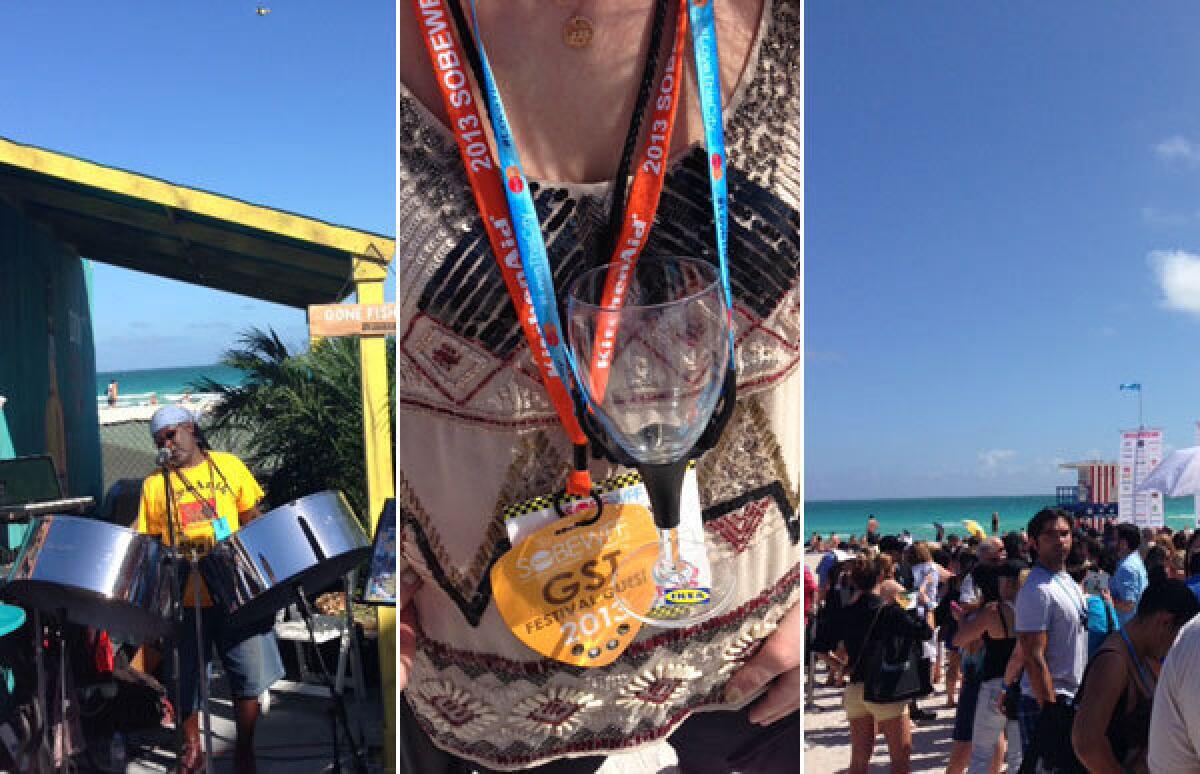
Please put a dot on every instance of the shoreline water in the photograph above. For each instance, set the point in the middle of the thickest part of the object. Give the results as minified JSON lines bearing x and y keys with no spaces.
{"x":175,"y":380}
{"x":917,"y":515}
{"x":141,"y":392}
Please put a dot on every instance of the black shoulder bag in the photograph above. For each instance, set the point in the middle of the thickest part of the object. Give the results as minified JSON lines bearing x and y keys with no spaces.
{"x":900,"y":673}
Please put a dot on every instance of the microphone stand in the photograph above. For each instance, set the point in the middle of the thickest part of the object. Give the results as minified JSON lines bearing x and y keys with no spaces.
{"x":173,"y":559}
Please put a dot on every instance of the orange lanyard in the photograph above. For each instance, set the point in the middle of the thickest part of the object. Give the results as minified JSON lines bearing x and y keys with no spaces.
{"x":644,"y":196}
{"x":450,"y":68}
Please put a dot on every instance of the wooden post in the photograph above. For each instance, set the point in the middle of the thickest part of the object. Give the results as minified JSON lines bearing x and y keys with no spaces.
{"x":381,"y":483}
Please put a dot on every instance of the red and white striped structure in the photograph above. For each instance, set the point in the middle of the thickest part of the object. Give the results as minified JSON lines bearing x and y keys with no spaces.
{"x":1097,"y":480}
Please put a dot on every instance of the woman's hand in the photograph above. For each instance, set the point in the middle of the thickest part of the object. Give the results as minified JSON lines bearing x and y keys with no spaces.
{"x":776,"y":665}
{"x":409,"y":583}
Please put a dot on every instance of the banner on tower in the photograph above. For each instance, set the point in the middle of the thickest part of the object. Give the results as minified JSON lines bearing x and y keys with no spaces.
{"x":1141,"y":451}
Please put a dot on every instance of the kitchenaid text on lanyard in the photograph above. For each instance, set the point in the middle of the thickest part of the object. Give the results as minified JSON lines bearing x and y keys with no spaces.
{"x":515,"y":232}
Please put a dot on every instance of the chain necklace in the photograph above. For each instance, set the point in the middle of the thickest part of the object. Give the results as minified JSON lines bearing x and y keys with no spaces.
{"x":207,"y":507}
{"x":578,"y":30}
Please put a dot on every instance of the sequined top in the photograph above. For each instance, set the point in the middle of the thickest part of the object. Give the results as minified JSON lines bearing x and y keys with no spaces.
{"x":478,"y":433}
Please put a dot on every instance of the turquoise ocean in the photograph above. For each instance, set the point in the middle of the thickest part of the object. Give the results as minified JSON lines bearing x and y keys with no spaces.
{"x":164,"y":381}
{"x":917,"y":515}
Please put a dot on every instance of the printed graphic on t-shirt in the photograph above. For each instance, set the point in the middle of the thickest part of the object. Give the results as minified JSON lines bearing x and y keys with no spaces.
{"x":195,"y":512}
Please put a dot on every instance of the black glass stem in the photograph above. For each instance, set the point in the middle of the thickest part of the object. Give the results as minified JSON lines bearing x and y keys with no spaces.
{"x":664,"y":485}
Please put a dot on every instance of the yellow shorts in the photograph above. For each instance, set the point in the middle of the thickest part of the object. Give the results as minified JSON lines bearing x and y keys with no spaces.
{"x":858,"y":707}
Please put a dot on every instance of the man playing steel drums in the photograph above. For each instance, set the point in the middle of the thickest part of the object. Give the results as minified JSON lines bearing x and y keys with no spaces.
{"x":211,"y":495}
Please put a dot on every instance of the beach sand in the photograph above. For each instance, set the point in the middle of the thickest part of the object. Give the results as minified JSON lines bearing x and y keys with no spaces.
{"x":827,"y":732}
{"x":143,"y":411}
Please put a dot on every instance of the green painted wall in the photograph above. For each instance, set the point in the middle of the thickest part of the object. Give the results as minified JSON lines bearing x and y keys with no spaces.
{"x":44,"y":315}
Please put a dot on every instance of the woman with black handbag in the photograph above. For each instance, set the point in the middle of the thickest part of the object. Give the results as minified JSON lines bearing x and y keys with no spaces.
{"x":877,"y":637}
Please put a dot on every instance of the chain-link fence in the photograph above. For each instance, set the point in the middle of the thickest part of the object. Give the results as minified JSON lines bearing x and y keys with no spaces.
{"x":129,"y":456}
{"x":127,"y":450}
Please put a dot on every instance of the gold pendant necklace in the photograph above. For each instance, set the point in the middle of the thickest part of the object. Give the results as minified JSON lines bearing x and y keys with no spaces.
{"x":578,"y":31}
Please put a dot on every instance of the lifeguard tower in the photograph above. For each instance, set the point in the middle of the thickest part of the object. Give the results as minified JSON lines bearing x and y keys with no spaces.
{"x":1094,"y":495}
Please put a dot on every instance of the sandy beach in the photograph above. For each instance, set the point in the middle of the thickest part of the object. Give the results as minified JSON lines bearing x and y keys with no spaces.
{"x":141,"y":412}
{"x":827,"y":732}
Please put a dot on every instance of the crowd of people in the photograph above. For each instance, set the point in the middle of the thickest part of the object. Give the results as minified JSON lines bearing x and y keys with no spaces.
{"x":1050,"y":644}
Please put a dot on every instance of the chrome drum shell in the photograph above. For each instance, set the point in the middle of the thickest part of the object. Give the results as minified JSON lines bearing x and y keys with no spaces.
{"x":102,"y":575}
{"x":309,"y":542}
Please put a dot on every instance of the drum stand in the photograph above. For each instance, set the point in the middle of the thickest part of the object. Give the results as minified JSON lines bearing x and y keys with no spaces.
{"x":43,"y":700}
{"x":338,"y":712}
{"x":39,"y":665}
{"x":202,"y":675}
{"x":177,"y":562}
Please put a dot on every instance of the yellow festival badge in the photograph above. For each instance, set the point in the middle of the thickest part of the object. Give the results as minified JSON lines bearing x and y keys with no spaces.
{"x":555,"y":589}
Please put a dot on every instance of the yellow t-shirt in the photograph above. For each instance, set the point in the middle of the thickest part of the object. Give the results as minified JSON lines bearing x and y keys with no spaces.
{"x":228,"y":488}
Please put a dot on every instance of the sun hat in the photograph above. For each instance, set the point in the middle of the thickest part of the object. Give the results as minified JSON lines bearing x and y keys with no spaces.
{"x":169,"y":416}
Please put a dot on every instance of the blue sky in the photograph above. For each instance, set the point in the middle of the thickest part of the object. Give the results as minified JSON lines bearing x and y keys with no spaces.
{"x":294,"y":110}
{"x":1002,"y":225}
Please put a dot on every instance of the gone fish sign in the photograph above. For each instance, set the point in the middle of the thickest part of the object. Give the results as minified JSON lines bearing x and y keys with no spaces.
{"x":331,"y":320}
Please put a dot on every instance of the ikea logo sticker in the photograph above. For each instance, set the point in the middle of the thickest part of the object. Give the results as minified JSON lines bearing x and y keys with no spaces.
{"x":687,"y":596}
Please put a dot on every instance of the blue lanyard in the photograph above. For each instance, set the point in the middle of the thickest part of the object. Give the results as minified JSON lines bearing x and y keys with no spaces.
{"x":531,"y":245}
{"x":708,"y":81}
{"x":1077,"y":595}
{"x":1141,"y":668}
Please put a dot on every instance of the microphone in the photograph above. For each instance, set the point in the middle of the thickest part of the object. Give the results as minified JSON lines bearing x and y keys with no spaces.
{"x":164,"y":457}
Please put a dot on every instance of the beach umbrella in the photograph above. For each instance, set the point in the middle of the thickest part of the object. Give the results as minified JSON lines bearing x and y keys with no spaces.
{"x":1175,"y":476}
{"x":974,"y":528}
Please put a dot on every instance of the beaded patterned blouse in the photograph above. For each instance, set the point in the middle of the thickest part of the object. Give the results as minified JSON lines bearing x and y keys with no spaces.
{"x":478,"y":433}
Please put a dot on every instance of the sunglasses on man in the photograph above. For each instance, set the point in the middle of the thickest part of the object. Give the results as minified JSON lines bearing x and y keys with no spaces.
{"x":165,"y":435}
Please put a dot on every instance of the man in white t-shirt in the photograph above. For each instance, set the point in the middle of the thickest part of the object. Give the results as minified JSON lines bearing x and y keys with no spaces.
{"x":1051,"y":630}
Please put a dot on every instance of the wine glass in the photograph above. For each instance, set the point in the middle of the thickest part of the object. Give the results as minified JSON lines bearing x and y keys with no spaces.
{"x":651,"y":348}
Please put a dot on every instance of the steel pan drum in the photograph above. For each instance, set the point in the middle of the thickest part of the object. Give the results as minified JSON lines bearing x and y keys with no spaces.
{"x":311,"y":542}
{"x":102,"y":575}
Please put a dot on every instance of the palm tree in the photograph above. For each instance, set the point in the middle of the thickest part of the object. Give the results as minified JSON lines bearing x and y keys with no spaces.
{"x":297,"y":419}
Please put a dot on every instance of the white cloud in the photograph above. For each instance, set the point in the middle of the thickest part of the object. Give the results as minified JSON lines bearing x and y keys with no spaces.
{"x":1157,"y":217}
{"x":1178,"y":274}
{"x":1178,"y":149}
{"x":992,"y":459}
{"x":813,"y":356}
